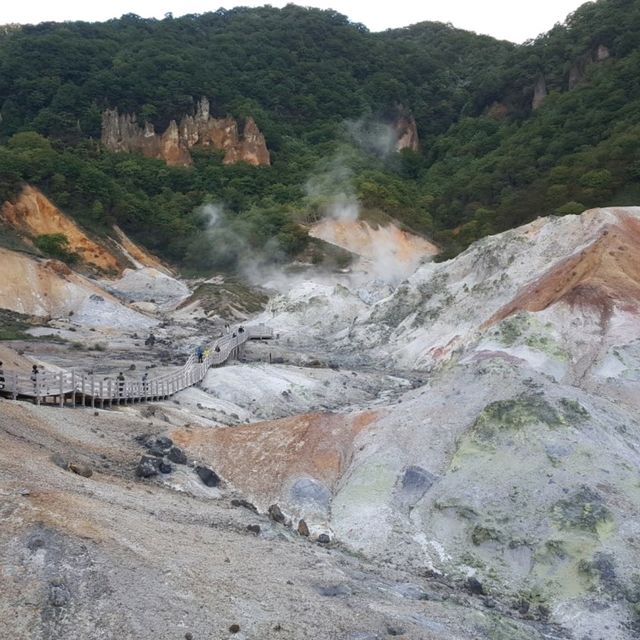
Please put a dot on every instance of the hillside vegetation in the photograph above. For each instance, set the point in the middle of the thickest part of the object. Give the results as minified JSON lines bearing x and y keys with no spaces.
{"x":317,"y":85}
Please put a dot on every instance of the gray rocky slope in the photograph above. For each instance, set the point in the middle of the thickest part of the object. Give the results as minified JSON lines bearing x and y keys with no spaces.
{"x":469,"y":441}
{"x":518,"y":460}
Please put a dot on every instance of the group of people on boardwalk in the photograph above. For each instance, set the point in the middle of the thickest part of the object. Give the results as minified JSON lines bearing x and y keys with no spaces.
{"x":62,"y":384}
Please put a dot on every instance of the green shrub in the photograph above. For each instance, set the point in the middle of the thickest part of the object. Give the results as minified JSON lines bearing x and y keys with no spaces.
{"x":56,"y":245}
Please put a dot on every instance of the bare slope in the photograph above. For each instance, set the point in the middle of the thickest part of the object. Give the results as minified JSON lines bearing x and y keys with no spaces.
{"x":114,"y":557}
{"x":34,"y":214}
{"x":517,"y":461}
{"x":49,"y":288}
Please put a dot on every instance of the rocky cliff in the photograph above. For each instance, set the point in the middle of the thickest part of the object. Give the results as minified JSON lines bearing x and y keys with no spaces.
{"x":406,"y":131}
{"x":122,"y":133}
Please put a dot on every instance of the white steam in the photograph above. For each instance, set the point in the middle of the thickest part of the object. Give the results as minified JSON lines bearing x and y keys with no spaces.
{"x":331,"y":190}
{"x":372,"y":136}
{"x":212,"y":214}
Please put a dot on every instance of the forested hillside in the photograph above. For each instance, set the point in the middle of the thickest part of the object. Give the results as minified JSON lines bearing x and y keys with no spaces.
{"x":317,"y":85}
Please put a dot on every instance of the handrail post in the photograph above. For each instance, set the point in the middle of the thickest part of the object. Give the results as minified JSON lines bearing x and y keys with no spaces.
{"x":73,"y":387}
{"x":93,"y":389}
{"x":109,"y":392}
{"x":61,"y":389}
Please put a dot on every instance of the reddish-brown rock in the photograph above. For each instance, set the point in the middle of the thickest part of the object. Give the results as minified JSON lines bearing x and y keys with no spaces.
{"x":406,"y":132}
{"x":122,"y":133}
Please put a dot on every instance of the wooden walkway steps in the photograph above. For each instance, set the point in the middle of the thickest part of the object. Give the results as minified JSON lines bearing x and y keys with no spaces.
{"x":90,"y":390}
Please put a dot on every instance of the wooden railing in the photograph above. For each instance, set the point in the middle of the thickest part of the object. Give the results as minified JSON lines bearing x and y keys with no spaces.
{"x":78,"y":387}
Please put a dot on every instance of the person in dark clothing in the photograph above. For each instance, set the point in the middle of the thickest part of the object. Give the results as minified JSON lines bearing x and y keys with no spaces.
{"x":145,"y":383}
{"x":150,"y":341}
{"x":241,"y":330}
{"x":120,"y":381}
{"x":35,"y":378}
{"x":234,"y":334}
{"x":199,"y":353}
{"x":1,"y":376}
{"x":217,"y":349}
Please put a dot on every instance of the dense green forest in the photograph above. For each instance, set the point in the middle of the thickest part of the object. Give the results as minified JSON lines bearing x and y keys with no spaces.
{"x":488,"y":160}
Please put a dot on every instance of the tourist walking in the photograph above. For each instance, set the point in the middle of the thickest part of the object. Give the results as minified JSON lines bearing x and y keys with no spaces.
{"x":120,"y":382}
{"x":35,"y":378}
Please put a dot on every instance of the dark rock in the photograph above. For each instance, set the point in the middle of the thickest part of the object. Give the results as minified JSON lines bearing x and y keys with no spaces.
{"x":81,"y":469}
{"x":209,"y":477}
{"x":324,"y":538}
{"x":188,"y":636}
{"x":415,"y":482}
{"x":276,"y":514}
{"x":475,"y":586}
{"x":254,"y":528}
{"x":177,"y":455}
{"x":523,"y":607}
{"x":395,"y":631}
{"x":234,"y":628}
{"x":165,"y":466}
{"x":35,"y":542}
{"x":240,"y":502}
{"x":148,"y":466}
{"x":490,"y":603}
{"x":158,"y":446}
{"x":58,"y":593}
{"x":59,"y":461}
{"x":310,"y":491}
{"x":303,"y":529}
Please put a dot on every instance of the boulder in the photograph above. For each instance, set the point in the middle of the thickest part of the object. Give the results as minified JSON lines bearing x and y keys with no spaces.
{"x":209,"y":477}
{"x":59,"y":461}
{"x":81,"y":469}
{"x":475,"y":586}
{"x":148,"y":466}
{"x":303,"y":529}
{"x":276,"y":514}
{"x":165,"y":466}
{"x":240,"y":502}
{"x":177,"y":455}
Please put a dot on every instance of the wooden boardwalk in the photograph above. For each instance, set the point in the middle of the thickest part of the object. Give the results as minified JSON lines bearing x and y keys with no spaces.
{"x":76,"y":387}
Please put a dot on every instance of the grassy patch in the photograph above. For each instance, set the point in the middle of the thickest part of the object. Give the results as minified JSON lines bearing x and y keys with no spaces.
{"x":224,"y":298}
{"x":13,"y":325}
